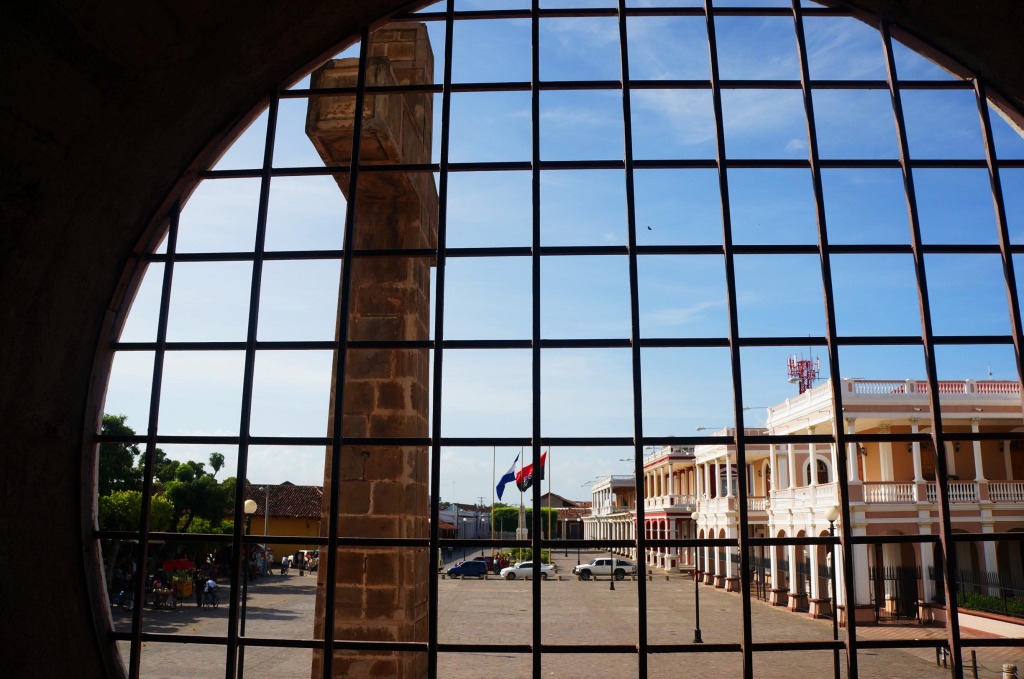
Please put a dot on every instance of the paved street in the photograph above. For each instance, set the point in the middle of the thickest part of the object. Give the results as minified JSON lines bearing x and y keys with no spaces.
{"x":574,"y":612}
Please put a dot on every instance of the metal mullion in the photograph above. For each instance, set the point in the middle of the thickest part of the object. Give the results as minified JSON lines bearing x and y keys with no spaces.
{"x":931,"y":370}
{"x":738,"y":84}
{"x":581,"y":164}
{"x":535,"y":282}
{"x":236,"y":623}
{"x":843,"y":489}
{"x":514,"y":251}
{"x":483,"y":166}
{"x":1004,"y":233}
{"x":341,"y":361}
{"x":585,"y":344}
{"x":575,"y":85}
{"x":135,"y":652}
{"x":679,"y":164}
{"x":634,"y":337}
{"x":508,"y":86}
{"x":568,"y":250}
{"x":746,"y":642}
{"x":438,"y":357}
{"x":668,"y":84}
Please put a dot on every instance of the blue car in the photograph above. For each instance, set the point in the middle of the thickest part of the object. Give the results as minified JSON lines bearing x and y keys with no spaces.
{"x":477,"y":569}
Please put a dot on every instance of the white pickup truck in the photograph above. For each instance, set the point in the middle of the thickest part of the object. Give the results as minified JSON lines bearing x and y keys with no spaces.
{"x":604,"y":566}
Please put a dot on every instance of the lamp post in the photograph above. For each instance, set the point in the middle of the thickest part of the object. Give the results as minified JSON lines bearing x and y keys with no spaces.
{"x":266,"y":529}
{"x":831,"y":515}
{"x":249,"y":507}
{"x":579,"y":536}
{"x":611,"y":573}
{"x":696,"y":589}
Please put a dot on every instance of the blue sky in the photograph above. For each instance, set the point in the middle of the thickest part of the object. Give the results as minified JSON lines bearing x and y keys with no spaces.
{"x":587,"y":392}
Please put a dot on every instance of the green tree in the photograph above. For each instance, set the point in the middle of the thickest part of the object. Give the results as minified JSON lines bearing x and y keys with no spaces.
{"x":216,"y":462}
{"x":507,"y":518}
{"x":196,"y":494}
{"x":121,"y":510}
{"x":117,"y":463}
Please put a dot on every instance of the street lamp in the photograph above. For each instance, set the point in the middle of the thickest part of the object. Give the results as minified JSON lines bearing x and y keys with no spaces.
{"x":249,"y":507}
{"x":579,"y":536}
{"x":831,"y":516}
{"x":611,"y":573}
{"x":696,"y":589}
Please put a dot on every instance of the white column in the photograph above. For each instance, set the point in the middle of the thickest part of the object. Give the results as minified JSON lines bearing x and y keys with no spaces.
{"x":773,"y":561}
{"x":813,"y":551}
{"x":991,"y":564}
{"x":718,"y":478}
{"x":791,"y":454}
{"x":791,"y":551}
{"x":918,"y":473}
{"x":728,"y":475}
{"x":885,"y":455}
{"x":979,"y":472}
{"x":835,"y":464}
{"x":861,"y":579}
{"x":812,"y":458}
{"x":773,"y":464}
{"x":854,"y":468}
{"x":951,"y":458}
{"x":729,"y":532}
{"x":926,"y":564}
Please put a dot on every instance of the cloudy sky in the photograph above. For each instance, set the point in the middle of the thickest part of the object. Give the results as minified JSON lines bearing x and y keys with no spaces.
{"x":588,"y":392}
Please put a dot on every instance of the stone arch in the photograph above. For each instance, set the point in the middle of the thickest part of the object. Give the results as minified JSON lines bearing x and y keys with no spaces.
{"x":824,"y":471}
{"x":118,"y":234}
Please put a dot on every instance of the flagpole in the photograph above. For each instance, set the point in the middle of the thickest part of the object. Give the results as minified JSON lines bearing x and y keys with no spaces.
{"x":494,"y":459}
{"x":520,"y":531}
{"x":549,"y":496}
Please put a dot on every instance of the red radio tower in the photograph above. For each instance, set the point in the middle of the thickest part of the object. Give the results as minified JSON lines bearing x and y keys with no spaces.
{"x":803,"y":371}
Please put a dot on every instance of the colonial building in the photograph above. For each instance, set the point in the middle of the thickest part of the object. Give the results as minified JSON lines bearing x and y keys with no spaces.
{"x":792,"y":492}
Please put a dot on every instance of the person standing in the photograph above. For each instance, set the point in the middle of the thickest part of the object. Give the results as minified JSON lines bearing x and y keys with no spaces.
{"x":302,"y":564}
{"x":197,"y":587}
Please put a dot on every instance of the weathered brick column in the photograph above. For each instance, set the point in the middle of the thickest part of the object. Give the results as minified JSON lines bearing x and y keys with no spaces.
{"x":381,"y":593}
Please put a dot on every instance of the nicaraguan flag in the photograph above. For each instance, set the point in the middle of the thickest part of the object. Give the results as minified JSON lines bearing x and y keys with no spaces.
{"x":507,"y":477}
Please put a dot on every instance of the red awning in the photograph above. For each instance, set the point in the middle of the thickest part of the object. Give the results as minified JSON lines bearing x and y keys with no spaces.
{"x":179,"y":565}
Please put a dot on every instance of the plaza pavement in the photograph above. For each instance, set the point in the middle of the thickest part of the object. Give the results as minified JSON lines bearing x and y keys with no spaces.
{"x":573,"y":612}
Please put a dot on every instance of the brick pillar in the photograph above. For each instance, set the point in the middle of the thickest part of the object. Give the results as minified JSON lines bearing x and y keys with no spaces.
{"x":381,"y":593}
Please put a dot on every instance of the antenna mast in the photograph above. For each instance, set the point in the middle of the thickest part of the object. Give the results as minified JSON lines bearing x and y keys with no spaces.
{"x":803,"y":371}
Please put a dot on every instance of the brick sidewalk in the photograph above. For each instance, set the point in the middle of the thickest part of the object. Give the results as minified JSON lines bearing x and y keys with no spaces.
{"x":574,"y":612}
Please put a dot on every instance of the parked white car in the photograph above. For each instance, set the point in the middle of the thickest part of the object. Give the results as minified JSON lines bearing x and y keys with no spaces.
{"x":620,"y":568}
{"x":525,"y":570}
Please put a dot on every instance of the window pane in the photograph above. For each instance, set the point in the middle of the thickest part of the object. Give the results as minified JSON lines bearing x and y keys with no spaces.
{"x":764,"y":124}
{"x":772,"y":206}
{"x":583,"y":207}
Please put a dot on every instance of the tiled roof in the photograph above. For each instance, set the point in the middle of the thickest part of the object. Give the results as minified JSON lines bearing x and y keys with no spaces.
{"x":287,"y":500}
{"x":570,"y":513}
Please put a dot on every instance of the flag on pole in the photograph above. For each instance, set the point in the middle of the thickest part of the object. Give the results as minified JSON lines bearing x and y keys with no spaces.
{"x":507,"y":477}
{"x":524,"y":479}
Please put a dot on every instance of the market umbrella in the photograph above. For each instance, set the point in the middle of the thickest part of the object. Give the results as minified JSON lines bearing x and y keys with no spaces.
{"x":179,"y":565}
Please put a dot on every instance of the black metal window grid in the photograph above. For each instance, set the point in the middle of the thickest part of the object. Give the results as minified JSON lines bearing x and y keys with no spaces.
{"x":537,"y":252}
